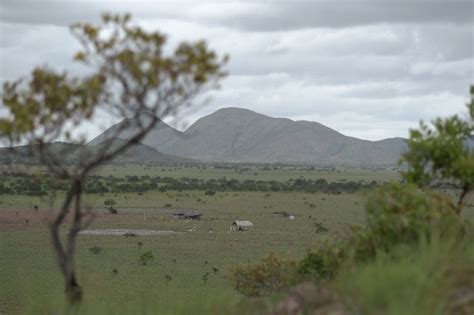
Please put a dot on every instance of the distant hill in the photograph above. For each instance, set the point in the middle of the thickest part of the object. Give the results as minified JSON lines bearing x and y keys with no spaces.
{"x":161,"y":135}
{"x":241,"y":135}
{"x":141,"y":153}
{"x":71,"y":153}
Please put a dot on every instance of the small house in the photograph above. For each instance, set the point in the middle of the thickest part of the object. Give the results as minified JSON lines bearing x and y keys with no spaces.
{"x":186,"y":214}
{"x":241,"y":226}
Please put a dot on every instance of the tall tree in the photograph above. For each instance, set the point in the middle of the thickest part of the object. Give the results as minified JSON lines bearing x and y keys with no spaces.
{"x":443,"y":149}
{"x":131,"y":76}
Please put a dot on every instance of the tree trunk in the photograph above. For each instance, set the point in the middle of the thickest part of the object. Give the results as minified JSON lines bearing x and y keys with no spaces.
{"x":65,"y":253}
{"x":73,"y":290}
{"x":464,"y":192}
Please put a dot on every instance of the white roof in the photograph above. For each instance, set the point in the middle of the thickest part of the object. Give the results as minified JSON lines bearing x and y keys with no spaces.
{"x":243,"y":223}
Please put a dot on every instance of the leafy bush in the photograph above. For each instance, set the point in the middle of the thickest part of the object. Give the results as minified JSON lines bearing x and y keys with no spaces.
{"x":405,"y":215}
{"x":432,"y":278}
{"x":268,"y":275}
{"x":95,"y":249}
{"x":112,"y":210}
{"x":146,"y":258}
{"x":320,"y":228}
{"x":439,"y":151}
{"x":322,"y":263}
{"x":109,"y":202}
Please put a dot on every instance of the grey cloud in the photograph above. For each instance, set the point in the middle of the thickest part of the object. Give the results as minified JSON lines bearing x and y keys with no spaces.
{"x":349,"y":65}
{"x":61,"y":13}
{"x":251,"y":16}
{"x":285,"y":15}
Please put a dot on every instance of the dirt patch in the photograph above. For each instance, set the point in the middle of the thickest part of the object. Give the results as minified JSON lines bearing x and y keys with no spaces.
{"x":126,"y":232}
{"x":20,"y":220}
{"x":12,"y":220}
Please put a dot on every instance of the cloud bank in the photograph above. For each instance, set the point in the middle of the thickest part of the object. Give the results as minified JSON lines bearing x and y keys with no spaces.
{"x":369,"y":69}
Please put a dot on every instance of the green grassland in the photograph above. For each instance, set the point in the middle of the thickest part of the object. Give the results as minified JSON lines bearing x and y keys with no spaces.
{"x":240,"y":172}
{"x":192,"y":266}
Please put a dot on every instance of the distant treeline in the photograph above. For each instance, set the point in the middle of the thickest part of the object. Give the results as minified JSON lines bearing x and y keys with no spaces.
{"x":25,"y":184}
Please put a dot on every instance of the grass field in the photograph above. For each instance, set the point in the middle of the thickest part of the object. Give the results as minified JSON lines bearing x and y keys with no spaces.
{"x":255,"y":172}
{"x":193,"y":265}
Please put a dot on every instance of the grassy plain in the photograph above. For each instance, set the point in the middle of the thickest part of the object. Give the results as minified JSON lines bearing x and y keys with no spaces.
{"x":191,"y":266}
{"x":255,"y":172}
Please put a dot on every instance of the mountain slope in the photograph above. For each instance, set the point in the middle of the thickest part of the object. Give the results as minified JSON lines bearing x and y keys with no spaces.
{"x":73,"y":153}
{"x":234,"y":134}
{"x":160,"y":135}
{"x":241,"y":135}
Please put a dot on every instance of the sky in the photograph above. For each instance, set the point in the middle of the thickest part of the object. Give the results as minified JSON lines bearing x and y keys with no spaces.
{"x":369,"y":69}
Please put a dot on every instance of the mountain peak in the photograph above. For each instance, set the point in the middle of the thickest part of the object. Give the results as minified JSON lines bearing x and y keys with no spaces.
{"x":161,"y":134}
{"x":234,"y":111}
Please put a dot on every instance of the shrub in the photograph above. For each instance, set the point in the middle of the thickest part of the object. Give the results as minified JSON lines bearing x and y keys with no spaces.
{"x":95,"y":249}
{"x":210,"y":193}
{"x":320,"y":228}
{"x":168,"y":205}
{"x":433,"y":278}
{"x":146,"y":258}
{"x":112,"y":210}
{"x":405,"y":215}
{"x":109,"y":202}
{"x":322,"y":263}
{"x":268,"y":275}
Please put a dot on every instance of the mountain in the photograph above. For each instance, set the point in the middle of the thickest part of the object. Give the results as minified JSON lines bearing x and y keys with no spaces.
{"x":234,"y":134}
{"x":72,"y":153}
{"x":141,"y":153}
{"x":241,"y":135}
{"x":161,"y":135}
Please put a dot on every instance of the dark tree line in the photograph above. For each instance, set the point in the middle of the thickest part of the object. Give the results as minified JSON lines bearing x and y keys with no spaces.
{"x":23,"y":185}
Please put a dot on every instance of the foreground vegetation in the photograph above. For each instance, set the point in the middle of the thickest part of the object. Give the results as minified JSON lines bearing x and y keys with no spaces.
{"x":194,"y":270}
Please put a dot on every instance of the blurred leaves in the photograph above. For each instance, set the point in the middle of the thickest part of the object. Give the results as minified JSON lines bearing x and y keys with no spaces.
{"x":442,"y":151}
{"x":131,"y":76}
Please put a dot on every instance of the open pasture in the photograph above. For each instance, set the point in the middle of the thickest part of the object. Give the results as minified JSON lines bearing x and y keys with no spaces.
{"x":195,"y":262}
{"x":233,"y":171}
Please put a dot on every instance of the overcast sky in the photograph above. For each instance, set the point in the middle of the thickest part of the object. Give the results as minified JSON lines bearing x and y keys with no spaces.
{"x":369,"y":69}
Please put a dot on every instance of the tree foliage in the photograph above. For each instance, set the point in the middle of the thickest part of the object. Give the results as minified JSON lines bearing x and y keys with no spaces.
{"x":443,"y":150}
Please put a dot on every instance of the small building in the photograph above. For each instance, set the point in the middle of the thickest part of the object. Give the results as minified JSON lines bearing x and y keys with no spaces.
{"x":186,"y":214}
{"x":241,"y":226}
{"x":291,"y":217}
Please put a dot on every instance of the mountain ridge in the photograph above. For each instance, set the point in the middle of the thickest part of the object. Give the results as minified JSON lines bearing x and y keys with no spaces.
{"x":241,"y":135}
{"x":74,"y":153}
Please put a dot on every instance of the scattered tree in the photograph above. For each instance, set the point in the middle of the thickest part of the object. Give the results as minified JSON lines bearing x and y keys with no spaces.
{"x":443,"y":151}
{"x":146,"y":258}
{"x":96,"y":249}
{"x":131,"y":78}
